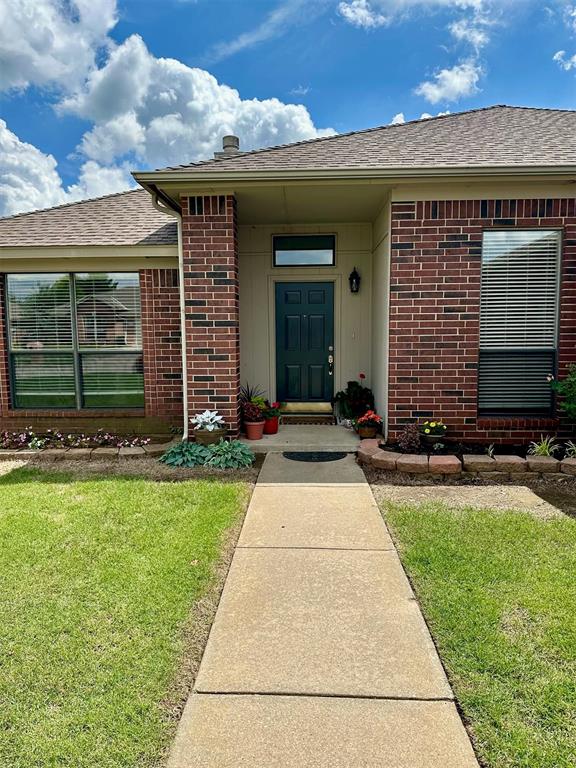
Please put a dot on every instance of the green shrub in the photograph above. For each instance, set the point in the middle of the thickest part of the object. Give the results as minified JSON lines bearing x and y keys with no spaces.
{"x":186,"y":454}
{"x":232,"y":455}
{"x":566,"y":388}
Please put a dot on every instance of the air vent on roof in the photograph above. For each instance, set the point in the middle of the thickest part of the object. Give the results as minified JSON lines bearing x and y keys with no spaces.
{"x":230,"y":147}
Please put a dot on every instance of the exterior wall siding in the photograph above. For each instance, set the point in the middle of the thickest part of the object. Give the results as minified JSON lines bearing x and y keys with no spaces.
{"x":436,"y":250}
{"x":210,"y":255}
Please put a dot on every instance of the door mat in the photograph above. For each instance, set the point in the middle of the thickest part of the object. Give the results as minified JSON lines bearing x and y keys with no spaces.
{"x":299,"y":420}
{"x":314,"y":456}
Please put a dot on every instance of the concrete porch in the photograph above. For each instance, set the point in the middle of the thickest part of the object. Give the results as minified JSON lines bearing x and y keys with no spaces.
{"x":306,"y":438}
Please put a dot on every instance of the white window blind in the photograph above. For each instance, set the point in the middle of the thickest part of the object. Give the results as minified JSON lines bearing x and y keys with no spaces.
{"x":518,"y":320}
{"x":75,"y":340}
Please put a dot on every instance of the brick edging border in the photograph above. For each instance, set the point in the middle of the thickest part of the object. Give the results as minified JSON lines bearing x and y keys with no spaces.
{"x":497,"y":468}
{"x":107,"y":452}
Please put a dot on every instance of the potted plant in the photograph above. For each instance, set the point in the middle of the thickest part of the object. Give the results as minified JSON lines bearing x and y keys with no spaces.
{"x":253,"y":421}
{"x":368,"y":425}
{"x":353,"y":401}
{"x":209,"y":427}
{"x":271,"y":415}
{"x":432,"y":432}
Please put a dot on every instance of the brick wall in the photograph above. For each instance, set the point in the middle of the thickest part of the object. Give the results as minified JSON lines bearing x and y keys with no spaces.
{"x":210,"y":253}
{"x":434,"y":310}
{"x":161,"y":341}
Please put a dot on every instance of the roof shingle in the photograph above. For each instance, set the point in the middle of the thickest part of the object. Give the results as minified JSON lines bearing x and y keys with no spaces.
{"x":125,"y":218}
{"x":491,"y":137}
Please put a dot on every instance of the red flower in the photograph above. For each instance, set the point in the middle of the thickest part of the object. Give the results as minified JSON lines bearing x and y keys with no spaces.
{"x":362,"y":376}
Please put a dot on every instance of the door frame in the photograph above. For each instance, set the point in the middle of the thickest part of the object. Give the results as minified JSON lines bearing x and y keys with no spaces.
{"x":304,"y":277}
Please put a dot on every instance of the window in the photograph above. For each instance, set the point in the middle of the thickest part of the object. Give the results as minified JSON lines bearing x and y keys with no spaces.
{"x":75,"y":340}
{"x":304,"y":250}
{"x":518,"y":321}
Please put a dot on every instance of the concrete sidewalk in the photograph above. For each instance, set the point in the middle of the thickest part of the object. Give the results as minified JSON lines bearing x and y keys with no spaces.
{"x":319,"y":656}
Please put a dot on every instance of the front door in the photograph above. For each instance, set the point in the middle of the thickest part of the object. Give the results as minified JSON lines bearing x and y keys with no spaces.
{"x":304,"y":342}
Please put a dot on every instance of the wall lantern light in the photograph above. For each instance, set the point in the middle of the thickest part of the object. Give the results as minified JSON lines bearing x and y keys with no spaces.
{"x":354,"y":281}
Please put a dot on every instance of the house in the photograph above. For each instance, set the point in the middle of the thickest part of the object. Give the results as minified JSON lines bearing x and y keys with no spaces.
{"x":437,"y":257}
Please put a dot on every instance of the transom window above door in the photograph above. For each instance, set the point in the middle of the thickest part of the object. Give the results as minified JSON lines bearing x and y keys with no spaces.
{"x":304,"y":250}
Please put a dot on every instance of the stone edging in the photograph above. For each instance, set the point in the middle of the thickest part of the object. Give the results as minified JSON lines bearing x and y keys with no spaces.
{"x":499,"y":467}
{"x":108,"y":452}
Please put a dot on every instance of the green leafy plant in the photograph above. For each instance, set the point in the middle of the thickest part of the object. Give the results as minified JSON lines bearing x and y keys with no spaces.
{"x":355,"y":400}
{"x":546,"y":446}
{"x":186,"y":454}
{"x":271,"y":410}
{"x":566,"y":388}
{"x":249,"y":393}
{"x":490,"y":451}
{"x":232,"y":455}
{"x":252,"y":412}
{"x":570,"y":450}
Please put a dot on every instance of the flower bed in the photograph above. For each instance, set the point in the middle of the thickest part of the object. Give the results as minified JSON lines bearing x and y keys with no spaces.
{"x":498,"y":467}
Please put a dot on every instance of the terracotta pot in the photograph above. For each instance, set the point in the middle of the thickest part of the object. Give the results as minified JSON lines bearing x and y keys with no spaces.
{"x":254,"y":429}
{"x":271,"y":425}
{"x":367,"y":433}
{"x":205,"y":437}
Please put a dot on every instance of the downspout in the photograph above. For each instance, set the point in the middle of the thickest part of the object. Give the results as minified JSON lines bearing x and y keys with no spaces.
{"x":178,"y":217}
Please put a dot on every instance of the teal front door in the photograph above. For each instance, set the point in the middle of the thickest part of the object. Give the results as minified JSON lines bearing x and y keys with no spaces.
{"x":304,"y":342}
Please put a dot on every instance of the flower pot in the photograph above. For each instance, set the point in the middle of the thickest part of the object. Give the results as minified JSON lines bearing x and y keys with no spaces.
{"x":429,"y":441}
{"x":254,"y":429}
{"x":367,"y":433}
{"x":207,"y":437}
{"x":271,"y":425}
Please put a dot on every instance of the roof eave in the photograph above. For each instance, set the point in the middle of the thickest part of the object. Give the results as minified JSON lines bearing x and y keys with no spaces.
{"x":150,"y":179}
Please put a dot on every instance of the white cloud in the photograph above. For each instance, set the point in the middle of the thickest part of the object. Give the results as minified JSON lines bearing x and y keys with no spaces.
{"x":29,"y":179}
{"x":398,"y":119}
{"x":164,"y":112}
{"x":51,"y":42}
{"x":471,"y":31}
{"x":300,"y":90}
{"x":286,"y":15}
{"x":360,"y":13}
{"x":451,"y":84}
{"x":566,"y":63}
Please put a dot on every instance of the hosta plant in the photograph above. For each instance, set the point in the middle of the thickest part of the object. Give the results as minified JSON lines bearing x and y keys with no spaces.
{"x":232,"y":455}
{"x":209,"y":420}
{"x":546,"y":446}
{"x":186,"y":454}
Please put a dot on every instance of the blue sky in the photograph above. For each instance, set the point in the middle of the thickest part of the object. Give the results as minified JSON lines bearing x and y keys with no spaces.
{"x":90,"y":89}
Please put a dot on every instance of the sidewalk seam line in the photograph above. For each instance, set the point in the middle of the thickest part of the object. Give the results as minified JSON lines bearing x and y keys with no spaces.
{"x":368,"y":697}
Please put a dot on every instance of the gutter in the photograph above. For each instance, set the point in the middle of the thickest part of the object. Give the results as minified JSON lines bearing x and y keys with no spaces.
{"x":171,"y":211}
{"x":150,"y":178}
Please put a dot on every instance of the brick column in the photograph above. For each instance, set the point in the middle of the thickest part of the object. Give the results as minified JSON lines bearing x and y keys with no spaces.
{"x":4,"y":378}
{"x":210,"y":252}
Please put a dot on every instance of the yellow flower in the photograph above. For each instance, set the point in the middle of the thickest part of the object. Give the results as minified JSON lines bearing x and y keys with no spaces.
{"x":433,"y":424}
{"x":427,"y":431}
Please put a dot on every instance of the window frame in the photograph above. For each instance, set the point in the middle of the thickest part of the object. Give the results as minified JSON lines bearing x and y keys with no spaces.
{"x":74,"y":351}
{"x":550,"y":411}
{"x":331,"y":235}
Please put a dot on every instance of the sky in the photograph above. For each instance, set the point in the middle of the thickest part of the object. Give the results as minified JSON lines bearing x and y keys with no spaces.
{"x":93,"y":89}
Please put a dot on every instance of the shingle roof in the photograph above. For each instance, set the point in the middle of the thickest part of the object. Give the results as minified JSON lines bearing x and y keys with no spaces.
{"x":489,"y":137}
{"x":125,"y":218}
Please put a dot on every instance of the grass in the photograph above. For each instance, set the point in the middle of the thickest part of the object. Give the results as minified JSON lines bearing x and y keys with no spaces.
{"x":98,"y":578}
{"x":498,"y":590}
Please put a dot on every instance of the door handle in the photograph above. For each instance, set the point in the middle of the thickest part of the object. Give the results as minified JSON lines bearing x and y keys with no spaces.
{"x":330,"y":365}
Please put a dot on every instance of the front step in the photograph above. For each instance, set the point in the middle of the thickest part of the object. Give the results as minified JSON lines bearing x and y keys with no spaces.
{"x":305,"y":419}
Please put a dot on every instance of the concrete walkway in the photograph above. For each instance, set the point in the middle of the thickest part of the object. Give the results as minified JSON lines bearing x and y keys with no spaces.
{"x":319,"y":656}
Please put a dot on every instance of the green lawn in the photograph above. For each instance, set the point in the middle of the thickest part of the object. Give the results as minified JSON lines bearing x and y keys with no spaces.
{"x":499,"y":593}
{"x":97,"y":579}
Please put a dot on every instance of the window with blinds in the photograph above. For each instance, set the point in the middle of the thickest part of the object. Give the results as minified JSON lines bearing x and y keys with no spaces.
{"x":75,"y":340}
{"x":518,"y":320}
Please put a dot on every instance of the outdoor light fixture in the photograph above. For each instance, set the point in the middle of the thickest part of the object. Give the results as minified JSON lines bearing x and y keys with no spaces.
{"x":354,"y":281}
